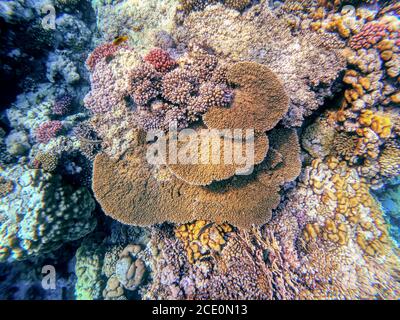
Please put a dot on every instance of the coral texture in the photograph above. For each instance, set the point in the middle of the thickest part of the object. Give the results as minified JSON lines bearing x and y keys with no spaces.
{"x":118,"y":185}
{"x":48,"y":214}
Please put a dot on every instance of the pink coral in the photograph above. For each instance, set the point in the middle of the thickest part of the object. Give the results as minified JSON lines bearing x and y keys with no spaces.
{"x":106,"y":90}
{"x":103,"y":51}
{"x":369,"y":35}
{"x":48,"y":130}
{"x":160,"y":60}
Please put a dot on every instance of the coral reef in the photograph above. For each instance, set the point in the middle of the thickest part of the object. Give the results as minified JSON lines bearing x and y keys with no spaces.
{"x":218,"y":202}
{"x":304,"y":63}
{"x":140,"y":21}
{"x":259,"y":94}
{"x":98,"y":96}
{"x":48,"y":214}
{"x":48,"y":130}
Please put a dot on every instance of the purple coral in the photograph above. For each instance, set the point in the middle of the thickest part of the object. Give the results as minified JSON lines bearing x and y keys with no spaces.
{"x":146,"y":84}
{"x":181,"y":95}
{"x":48,"y":130}
{"x":62,"y":105}
{"x":178,"y":85}
{"x":215,"y":95}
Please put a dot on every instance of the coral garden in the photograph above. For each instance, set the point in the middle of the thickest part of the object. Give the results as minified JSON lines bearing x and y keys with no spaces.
{"x":91,"y":100}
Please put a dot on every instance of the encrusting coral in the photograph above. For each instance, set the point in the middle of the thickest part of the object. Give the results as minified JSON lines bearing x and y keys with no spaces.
{"x":202,"y":238}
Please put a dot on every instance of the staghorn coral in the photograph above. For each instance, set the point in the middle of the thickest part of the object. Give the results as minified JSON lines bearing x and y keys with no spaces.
{"x":117,"y":184}
{"x":260,"y":95}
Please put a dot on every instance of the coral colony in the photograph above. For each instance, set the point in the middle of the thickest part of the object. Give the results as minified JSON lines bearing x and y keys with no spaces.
{"x":186,"y":149}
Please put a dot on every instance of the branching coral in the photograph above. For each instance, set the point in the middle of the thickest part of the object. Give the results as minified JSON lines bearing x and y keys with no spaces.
{"x":101,"y":52}
{"x":181,"y":95}
{"x":48,"y":130}
{"x":160,"y":60}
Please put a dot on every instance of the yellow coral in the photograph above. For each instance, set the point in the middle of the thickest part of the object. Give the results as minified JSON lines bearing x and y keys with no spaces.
{"x":202,"y":238}
{"x":347,"y":205}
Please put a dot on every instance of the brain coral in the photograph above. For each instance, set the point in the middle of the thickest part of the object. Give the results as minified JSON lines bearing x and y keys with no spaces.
{"x":41,"y":214}
{"x":129,"y":191}
{"x":305,"y":65}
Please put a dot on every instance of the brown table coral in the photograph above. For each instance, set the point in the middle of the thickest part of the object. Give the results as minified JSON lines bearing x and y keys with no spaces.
{"x":129,"y":191}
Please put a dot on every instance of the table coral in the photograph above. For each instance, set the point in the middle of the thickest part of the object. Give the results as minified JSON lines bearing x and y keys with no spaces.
{"x":260,"y":100}
{"x":207,"y":163}
{"x":174,"y":200}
